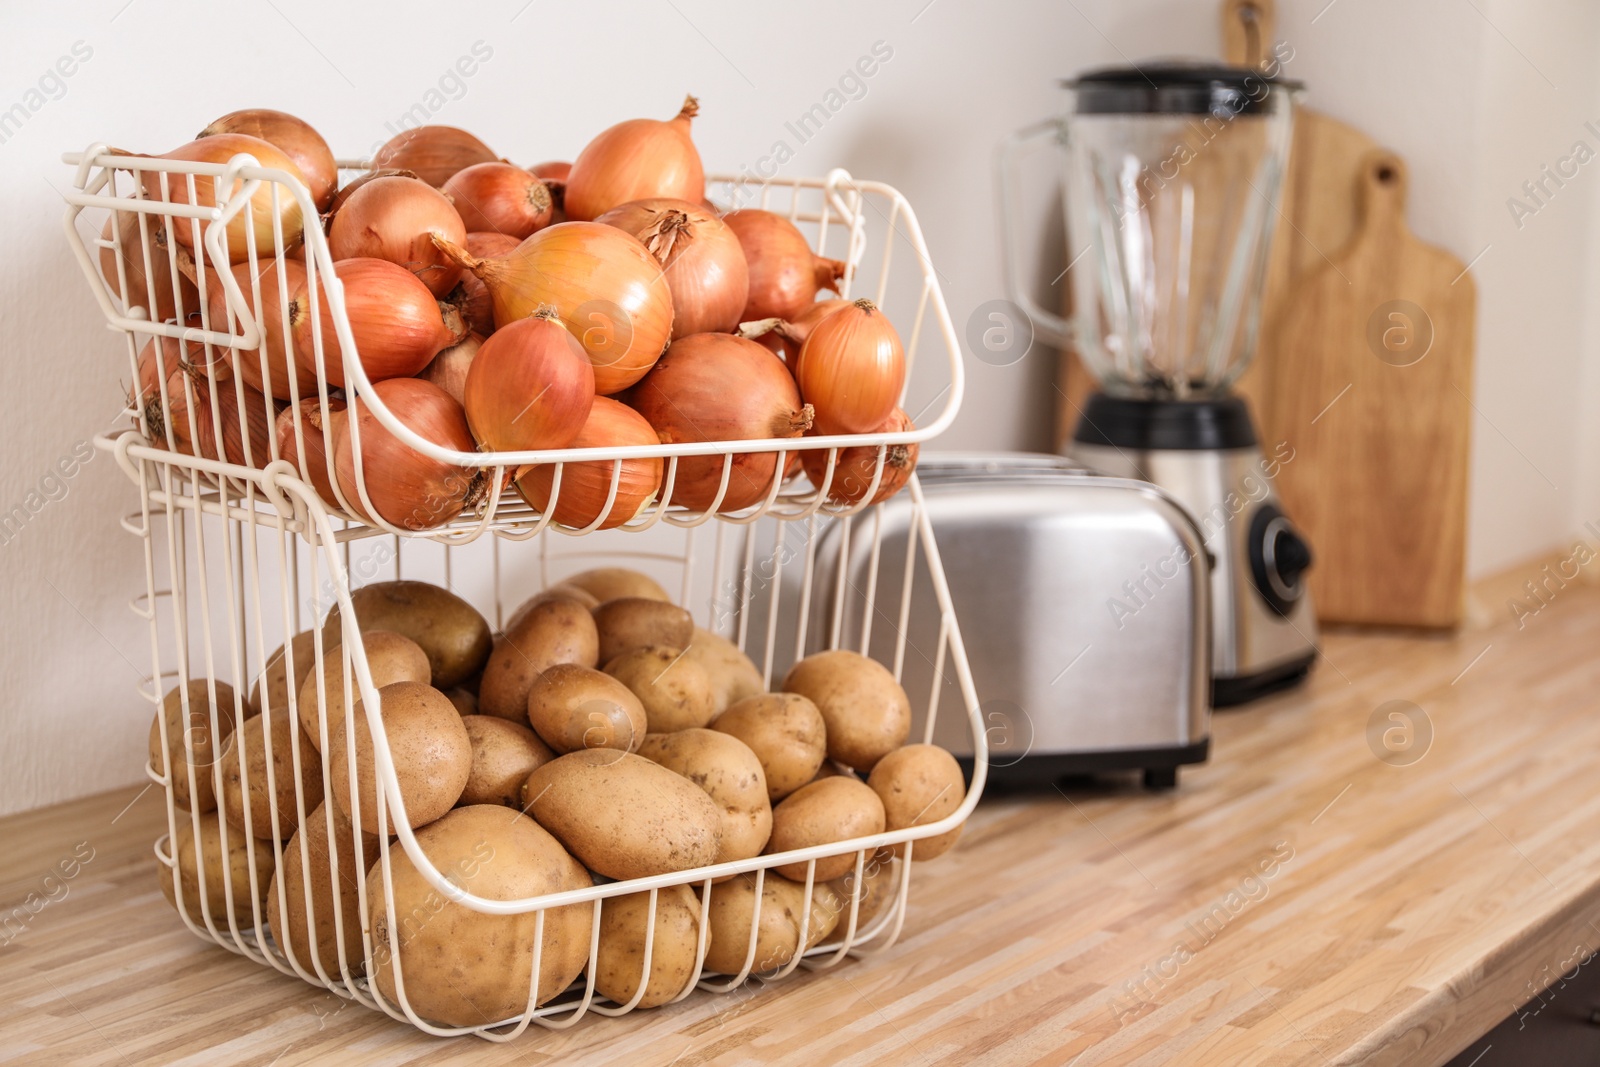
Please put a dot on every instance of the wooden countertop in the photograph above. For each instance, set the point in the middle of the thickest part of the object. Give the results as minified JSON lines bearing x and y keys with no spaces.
{"x":1296,"y":901}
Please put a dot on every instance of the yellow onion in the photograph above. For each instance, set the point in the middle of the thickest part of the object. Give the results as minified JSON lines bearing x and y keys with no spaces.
{"x":407,"y":488}
{"x":783,"y":338}
{"x":471,"y":295}
{"x":852,"y":369}
{"x":636,"y":160}
{"x":854,"y":469}
{"x":530,"y":386}
{"x":554,"y":175}
{"x":719,"y":387}
{"x":158,"y":361}
{"x":220,"y":149}
{"x":231,"y":428}
{"x":500,"y":198}
{"x":585,"y":486}
{"x":284,"y":372}
{"x":397,"y":324}
{"x":319,"y":428}
{"x":784,"y":273}
{"x":160,"y":277}
{"x":396,"y":218}
{"x":700,"y":255}
{"x":355,"y":183}
{"x":295,"y":138}
{"x":433,"y":152}
{"x":449,"y":368}
{"x":606,"y":287}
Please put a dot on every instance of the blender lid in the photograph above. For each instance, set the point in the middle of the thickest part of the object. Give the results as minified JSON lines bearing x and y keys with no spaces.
{"x":1177,"y":87}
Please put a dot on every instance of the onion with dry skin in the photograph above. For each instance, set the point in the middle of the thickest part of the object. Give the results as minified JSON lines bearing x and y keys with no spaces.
{"x":500,"y":198}
{"x":354,"y":184}
{"x":396,"y":219}
{"x":319,"y":429}
{"x":397,"y":325}
{"x":784,"y":337}
{"x":855,"y":468}
{"x":258,"y":221}
{"x":607,"y":288}
{"x":235,"y":426}
{"x":158,"y":361}
{"x":449,"y":368}
{"x":700,"y":255}
{"x":554,"y":175}
{"x":434,"y":153}
{"x":295,"y":137}
{"x":472,"y":296}
{"x":407,"y":488}
{"x":161,"y":275}
{"x":284,"y":311}
{"x":852,"y":369}
{"x":636,"y":160}
{"x":581,"y":498}
{"x":719,"y":387}
{"x":530,"y":386}
{"x":784,"y":273}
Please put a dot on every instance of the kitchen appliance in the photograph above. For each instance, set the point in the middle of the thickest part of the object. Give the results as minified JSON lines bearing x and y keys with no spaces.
{"x":1084,"y":603}
{"x":1173,"y":171}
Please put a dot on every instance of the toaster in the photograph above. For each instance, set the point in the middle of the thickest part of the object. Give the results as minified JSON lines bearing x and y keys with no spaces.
{"x":1083,"y":602}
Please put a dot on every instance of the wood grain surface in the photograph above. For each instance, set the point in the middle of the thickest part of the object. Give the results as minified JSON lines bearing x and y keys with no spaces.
{"x":1298,"y":900}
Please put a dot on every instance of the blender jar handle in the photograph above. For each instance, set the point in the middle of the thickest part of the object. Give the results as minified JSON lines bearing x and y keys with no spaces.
{"x":1047,"y":325}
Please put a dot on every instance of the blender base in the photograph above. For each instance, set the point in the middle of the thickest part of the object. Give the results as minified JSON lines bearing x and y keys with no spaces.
{"x":1205,"y":453}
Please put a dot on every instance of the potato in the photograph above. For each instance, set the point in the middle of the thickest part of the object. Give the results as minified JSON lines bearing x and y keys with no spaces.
{"x":638,"y":622}
{"x":428,"y":745}
{"x":867,"y":713}
{"x":573,"y":707}
{"x":559,"y":591}
{"x":286,"y":913}
{"x":391,"y":658}
{"x":553,"y":631}
{"x":447,"y":628}
{"x":190,"y":742}
{"x":463,"y":967}
{"x":786,"y":733}
{"x":610,"y":583}
{"x":675,"y":692}
{"x":465,"y":700}
{"x":734,"y":676}
{"x":619,"y":964}
{"x":878,"y":884}
{"x":731,"y":776}
{"x":274,"y":679}
{"x":919,"y":784}
{"x":503,"y":755}
{"x":622,"y":815}
{"x":244,"y":771}
{"x":225,"y":869}
{"x":834,"y":809}
{"x":777,"y":935}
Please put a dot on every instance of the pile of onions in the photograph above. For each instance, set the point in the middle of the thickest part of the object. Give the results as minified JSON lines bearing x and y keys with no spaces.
{"x":607,"y":288}
{"x":472,"y":296}
{"x":285,"y":306}
{"x":295,"y":138}
{"x":407,"y":488}
{"x":719,"y":387}
{"x":530,"y":386}
{"x":701,"y":257}
{"x":396,"y":218}
{"x":434,"y":153}
{"x":500,"y":198}
{"x":784,"y":337}
{"x":855,"y":468}
{"x":319,"y":429}
{"x":784,"y":273}
{"x":161,"y":276}
{"x":585,"y":487}
{"x":448,"y":370}
{"x":220,"y":149}
{"x":234,"y":427}
{"x":636,"y":160}
{"x":397,"y":324}
{"x":852,"y":369}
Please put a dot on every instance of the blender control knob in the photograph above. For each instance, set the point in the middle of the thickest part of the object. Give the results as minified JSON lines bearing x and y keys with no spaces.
{"x":1279,"y":558}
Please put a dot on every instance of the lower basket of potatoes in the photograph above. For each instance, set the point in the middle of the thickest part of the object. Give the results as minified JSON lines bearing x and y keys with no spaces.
{"x":518,"y":787}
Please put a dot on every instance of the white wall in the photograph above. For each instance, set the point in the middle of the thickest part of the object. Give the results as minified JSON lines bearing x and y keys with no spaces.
{"x":1457,"y":91}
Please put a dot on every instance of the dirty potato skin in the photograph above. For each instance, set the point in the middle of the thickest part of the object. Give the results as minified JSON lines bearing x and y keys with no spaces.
{"x":428,"y":745}
{"x":620,"y":961}
{"x":451,"y":631}
{"x":867,"y":713}
{"x":622,"y":815}
{"x":639,"y":622}
{"x":783,"y":907}
{"x":732,"y":777}
{"x":466,"y":968}
{"x":674,"y":690}
{"x":557,"y":630}
{"x":919,"y":784}
{"x":503,"y":755}
{"x":785,"y":731}
{"x":833,"y":809}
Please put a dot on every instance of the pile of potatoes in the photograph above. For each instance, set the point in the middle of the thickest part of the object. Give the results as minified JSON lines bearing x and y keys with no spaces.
{"x":601,"y":736}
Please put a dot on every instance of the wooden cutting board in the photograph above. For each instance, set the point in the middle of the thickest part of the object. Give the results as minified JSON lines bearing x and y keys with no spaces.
{"x":1371,"y":389}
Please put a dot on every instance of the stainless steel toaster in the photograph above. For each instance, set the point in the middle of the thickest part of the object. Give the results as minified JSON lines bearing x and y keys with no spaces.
{"x":1083,"y":603}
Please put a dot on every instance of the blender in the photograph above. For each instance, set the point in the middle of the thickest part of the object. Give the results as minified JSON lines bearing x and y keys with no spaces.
{"x":1172,"y":177}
